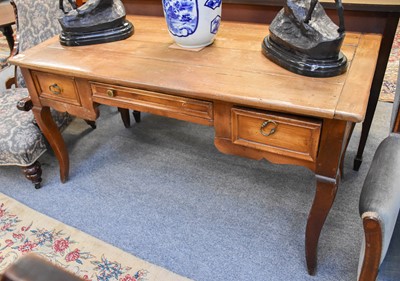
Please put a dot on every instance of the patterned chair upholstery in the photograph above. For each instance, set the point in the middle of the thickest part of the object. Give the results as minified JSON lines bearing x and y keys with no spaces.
{"x":37,"y":21}
{"x":21,"y":141}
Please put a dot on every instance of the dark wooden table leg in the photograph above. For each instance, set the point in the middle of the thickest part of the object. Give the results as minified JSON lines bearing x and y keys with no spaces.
{"x":136,"y":114}
{"x":384,"y":53}
{"x":333,"y":143}
{"x":8,"y":33}
{"x":125,"y":116}
{"x":49,"y":128}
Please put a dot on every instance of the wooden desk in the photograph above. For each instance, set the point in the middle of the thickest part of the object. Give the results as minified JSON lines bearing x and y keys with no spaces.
{"x":229,"y":85}
{"x":367,"y":16}
{"x":7,"y":19}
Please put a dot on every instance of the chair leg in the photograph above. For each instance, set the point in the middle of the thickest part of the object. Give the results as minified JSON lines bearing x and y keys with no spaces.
{"x":341,"y":167}
{"x":136,"y":115}
{"x":91,"y":124}
{"x":33,"y":173}
{"x":125,"y":116}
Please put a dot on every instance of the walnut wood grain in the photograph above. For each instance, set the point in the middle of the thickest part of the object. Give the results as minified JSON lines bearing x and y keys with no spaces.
{"x":225,"y":141}
{"x":291,"y":136}
{"x":47,"y":125}
{"x":234,"y":59}
{"x":56,"y":87}
{"x":187,"y":109}
{"x":373,"y":249}
{"x":209,"y":87}
{"x":50,"y":131}
{"x":396,"y":127}
{"x":331,"y":150}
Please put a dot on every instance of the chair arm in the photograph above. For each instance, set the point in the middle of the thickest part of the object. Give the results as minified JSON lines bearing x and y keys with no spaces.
{"x":380,"y":201}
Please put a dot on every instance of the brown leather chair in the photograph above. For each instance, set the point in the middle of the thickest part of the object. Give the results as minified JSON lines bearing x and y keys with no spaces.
{"x":379,"y":208}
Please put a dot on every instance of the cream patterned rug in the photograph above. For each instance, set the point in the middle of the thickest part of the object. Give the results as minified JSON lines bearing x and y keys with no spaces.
{"x":4,"y":51}
{"x":389,"y":82}
{"x":24,"y":230}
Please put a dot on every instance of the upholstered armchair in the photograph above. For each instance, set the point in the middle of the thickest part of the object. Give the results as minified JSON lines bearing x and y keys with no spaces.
{"x":21,"y":141}
{"x":379,"y":208}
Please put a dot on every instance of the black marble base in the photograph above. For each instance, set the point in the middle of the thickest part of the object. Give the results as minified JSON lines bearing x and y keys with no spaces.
{"x":302,"y":64}
{"x":121,"y":32}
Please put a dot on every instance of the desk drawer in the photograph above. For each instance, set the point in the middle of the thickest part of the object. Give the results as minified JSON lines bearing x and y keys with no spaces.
{"x":56,"y":87}
{"x":286,"y":135}
{"x":182,"y":108}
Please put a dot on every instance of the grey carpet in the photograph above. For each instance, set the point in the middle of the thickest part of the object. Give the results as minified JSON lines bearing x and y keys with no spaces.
{"x":161,"y":191}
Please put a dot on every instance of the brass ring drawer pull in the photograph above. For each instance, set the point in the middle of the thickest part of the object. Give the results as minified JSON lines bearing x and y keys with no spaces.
{"x":110,"y":93}
{"x":265,"y":124}
{"x":55,"y":89}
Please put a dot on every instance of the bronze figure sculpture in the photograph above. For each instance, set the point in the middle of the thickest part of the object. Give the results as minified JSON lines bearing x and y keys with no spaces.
{"x":96,"y":21}
{"x":304,"y":40}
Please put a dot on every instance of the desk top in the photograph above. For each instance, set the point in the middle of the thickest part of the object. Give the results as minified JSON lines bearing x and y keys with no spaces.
{"x":233,"y":69}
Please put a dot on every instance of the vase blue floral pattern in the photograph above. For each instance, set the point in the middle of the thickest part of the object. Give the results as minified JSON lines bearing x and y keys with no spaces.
{"x":215,"y":24}
{"x":182,"y":16}
{"x":192,"y":23}
{"x":213,"y":4}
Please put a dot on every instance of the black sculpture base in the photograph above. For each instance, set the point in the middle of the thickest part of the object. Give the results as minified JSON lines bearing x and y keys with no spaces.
{"x":303,"y":64}
{"x":121,"y":32}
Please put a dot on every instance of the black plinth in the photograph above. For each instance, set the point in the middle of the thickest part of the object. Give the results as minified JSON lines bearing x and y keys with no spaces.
{"x":116,"y":33}
{"x":302,"y":63}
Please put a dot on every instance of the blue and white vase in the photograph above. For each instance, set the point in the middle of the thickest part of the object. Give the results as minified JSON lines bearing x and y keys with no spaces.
{"x":192,"y":23}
